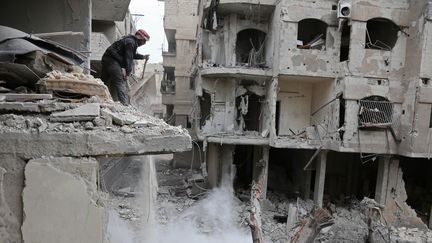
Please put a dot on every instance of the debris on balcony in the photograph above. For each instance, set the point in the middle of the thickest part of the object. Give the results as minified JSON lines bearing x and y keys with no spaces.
{"x":73,"y":85}
{"x":311,"y":34}
{"x":316,"y":43}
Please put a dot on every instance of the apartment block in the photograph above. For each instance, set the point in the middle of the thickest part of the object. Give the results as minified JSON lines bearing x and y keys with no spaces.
{"x":331,"y":99}
{"x":180,"y":23}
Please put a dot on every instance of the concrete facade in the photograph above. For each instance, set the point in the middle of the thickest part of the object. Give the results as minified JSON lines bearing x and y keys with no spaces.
{"x":180,"y":23}
{"x":275,"y":73}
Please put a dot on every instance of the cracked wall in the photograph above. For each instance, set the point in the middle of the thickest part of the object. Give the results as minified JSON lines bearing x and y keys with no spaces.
{"x":62,"y":191}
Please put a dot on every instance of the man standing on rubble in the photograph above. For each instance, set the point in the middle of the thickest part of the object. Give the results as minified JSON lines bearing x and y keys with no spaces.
{"x":120,"y":56}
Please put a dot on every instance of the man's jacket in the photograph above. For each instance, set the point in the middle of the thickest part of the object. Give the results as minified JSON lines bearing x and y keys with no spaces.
{"x":124,"y":51}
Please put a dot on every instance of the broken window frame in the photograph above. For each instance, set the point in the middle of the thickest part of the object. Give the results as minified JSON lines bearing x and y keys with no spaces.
{"x":168,"y":84}
{"x":318,"y":41}
{"x":256,"y":56}
{"x":244,"y":120}
{"x":372,"y":42}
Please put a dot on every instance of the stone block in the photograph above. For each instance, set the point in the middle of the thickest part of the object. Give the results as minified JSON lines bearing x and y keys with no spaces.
{"x":85,"y":112}
{"x":48,"y":106}
{"x":20,"y":106}
{"x":120,"y":118}
{"x":61,"y":201}
{"x":11,"y":186}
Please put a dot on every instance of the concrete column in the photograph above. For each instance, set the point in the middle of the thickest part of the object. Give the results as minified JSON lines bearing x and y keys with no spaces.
{"x":227,"y":170}
{"x":393,"y":175}
{"x":265,"y":159}
{"x":382,"y":180}
{"x":272,"y":99}
{"x":261,"y":164}
{"x":320,"y":171}
{"x":213,"y":164}
{"x":87,"y":34}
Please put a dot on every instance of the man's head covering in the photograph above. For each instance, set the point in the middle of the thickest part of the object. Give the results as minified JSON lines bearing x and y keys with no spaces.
{"x":142,"y":34}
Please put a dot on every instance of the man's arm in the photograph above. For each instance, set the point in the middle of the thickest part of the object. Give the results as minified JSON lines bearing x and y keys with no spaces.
{"x":141,"y":57}
{"x":129,"y":56}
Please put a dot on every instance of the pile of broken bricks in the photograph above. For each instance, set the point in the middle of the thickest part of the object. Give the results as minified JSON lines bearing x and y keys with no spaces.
{"x":102,"y":127}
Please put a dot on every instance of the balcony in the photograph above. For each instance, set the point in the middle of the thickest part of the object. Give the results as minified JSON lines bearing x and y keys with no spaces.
{"x":261,"y":7}
{"x":237,"y":72}
{"x":168,"y":87}
{"x":375,"y":114}
{"x":109,"y":10}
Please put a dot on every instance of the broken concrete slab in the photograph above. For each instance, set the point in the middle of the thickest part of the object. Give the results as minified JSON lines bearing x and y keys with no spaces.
{"x":85,"y":112}
{"x":75,"y":86}
{"x":62,"y":192}
{"x":50,"y":106}
{"x":397,"y":212}
{"x":291,"y":218}
{"x":26,"y":97}
{"x":19,"y":106}
{"x":95,"y":143}
{"x":120,"y":118}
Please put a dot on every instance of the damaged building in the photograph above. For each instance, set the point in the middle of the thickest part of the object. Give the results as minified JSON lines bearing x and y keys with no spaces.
{"x":180,"y":24}
{"x":331,"y":104}
{"x":60,"y":131}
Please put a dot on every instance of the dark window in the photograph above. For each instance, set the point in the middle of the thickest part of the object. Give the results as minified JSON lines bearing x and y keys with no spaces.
{"x":345,"y":42}
{"x":381,"y":34}
{"x":250,"y":47}
{"x":311,"y":34}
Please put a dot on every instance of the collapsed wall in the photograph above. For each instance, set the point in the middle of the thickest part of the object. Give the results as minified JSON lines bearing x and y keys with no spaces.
{"x":49,"y":178}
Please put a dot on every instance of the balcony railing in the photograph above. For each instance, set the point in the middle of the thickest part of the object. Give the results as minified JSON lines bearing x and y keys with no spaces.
{"x":168,"y":87}
{"x":375,"y":114}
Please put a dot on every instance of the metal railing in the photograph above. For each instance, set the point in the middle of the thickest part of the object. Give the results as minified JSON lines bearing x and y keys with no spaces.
{"x":168,"y":87}
{"x":375,"y":114}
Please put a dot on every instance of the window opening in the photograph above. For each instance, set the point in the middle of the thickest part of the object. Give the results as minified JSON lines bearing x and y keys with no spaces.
{"x":345,"y":42}
{"x":250,"y":48}
{"x":311,"y":34}
{"x":381,"y":34}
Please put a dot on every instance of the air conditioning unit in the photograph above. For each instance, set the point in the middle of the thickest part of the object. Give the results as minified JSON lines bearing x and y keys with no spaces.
{"x":344,"y":10}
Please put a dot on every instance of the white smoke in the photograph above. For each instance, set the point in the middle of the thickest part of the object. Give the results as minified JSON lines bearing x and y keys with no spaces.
{"x":210,"y":220}
{"x":117,"y":230}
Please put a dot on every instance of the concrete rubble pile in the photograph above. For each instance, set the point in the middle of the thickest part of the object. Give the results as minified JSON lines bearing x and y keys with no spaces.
{"x":123,"y":127}
{"x":65,"y":85}
{"x":359,"y":221}
{"x":50,"y":145}
{"x":282,"y":218}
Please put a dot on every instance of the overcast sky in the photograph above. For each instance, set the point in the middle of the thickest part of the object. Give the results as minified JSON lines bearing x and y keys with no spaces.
{"x":152,"y":22}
